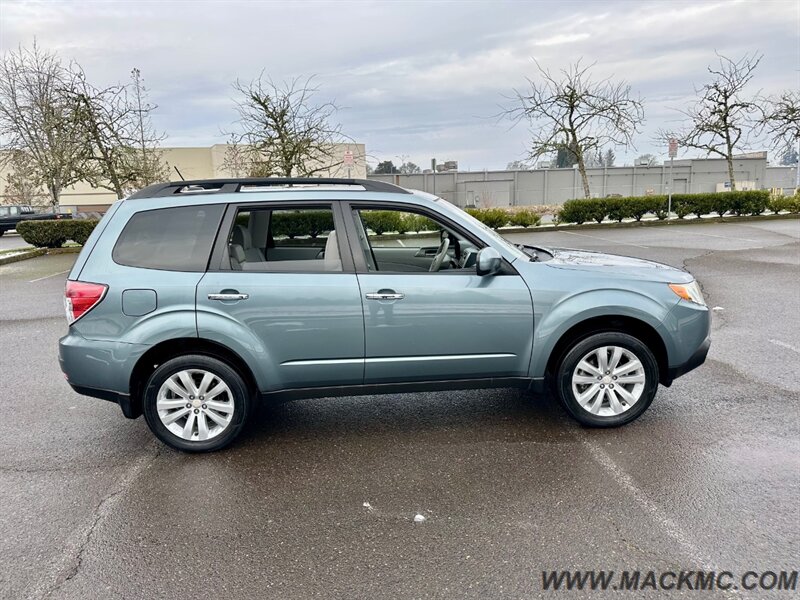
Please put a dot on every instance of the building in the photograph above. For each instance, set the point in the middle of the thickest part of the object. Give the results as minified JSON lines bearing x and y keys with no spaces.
{"x":554,"y":186}
{"x":189,"y":163}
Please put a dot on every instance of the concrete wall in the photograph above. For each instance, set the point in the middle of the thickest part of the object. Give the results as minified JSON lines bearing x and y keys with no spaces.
{"x":554,"y":186}
{"x":782,"y":178}
{"x":193,"y":163}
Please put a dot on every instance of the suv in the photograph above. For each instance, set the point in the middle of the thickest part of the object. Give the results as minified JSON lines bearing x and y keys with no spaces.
{"x":193,"y":300}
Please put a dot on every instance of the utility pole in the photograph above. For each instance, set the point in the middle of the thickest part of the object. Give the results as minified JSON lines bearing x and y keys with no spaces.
{"x":797,"y":169}
{"x":433,"y":171}
{"x":673,"y":151}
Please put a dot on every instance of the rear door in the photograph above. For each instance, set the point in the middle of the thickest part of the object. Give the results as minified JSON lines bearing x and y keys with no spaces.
{"x":281,"y":285}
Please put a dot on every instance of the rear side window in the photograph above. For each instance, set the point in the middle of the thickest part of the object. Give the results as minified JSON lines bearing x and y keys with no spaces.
{"x":172,"y":239}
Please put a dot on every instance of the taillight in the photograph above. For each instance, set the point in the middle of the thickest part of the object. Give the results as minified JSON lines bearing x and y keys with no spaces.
{"x":80,"y":297}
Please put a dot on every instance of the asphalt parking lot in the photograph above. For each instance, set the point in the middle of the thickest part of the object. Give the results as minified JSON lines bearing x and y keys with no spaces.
{"x":318,"y":497}
{"x":11,"y":241}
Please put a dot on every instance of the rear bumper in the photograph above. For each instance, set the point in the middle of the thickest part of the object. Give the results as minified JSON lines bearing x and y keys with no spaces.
{"x":100,"y":369}
{"x":695,"y":360}
{"x":123,"y":400}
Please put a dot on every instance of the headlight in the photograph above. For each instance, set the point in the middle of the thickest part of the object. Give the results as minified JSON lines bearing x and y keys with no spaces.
{"x":689,"y":291}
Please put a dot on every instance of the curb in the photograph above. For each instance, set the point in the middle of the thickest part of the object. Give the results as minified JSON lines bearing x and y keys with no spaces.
{"x":34,"y":252}
{"x":648,"y":223}
{"x":65,"y":250}
{"x":7,"y":260}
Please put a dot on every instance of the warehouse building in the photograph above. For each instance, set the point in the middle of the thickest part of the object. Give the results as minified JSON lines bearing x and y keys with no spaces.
{"x":554,"y":186}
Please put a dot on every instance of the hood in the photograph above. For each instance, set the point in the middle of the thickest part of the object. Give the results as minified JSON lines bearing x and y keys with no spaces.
{"x":615,"y":265}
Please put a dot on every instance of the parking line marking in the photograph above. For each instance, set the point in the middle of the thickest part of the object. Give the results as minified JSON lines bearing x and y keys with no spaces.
{"x":49,"y":276}
{"x":722,"y":237}
{"x":672,"y":529}
{"x":597,"y":237}
{"x":785,"y":345}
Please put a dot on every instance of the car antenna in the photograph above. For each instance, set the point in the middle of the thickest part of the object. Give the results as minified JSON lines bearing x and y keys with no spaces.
{"x":179,"y":173}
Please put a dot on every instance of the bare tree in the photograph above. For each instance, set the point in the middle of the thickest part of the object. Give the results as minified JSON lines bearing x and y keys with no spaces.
{"x":518,"y":165}
{"x":780,"y":120}
{"x":22,"y":183}
{"x":409,"y":168}
{"x":285,"y":131}
{"x":122,"y":152}
{"x":38,"y":118}
{"x":243,"y":160}
{"x":237,"y":160}
{"x":649,"y":160}
{"x":571,"y":110}
{"x":149,"y":162}
{"x":724,"y":114}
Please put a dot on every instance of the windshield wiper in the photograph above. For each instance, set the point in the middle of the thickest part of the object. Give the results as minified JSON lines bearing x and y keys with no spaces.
{"x":529,"y":251}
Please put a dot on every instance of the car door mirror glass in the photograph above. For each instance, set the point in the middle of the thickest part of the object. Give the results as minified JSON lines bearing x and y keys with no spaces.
{"x":489,"y":261}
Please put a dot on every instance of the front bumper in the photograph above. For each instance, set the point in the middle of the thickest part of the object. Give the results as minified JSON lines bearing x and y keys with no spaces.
{"x":695,"y":360}
{"x":100,"y":368}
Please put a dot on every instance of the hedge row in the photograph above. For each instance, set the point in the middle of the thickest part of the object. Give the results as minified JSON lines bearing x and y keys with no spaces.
{"x":738,"y":203}
{"x":53,"y":234}
{"x":500,"y":217}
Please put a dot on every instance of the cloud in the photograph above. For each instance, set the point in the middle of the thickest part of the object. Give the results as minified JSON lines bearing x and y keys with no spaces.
{"x":417,"y":79}
{"x":562,"y":38}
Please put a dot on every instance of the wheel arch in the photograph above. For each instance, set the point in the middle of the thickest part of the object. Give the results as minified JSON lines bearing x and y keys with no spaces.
{"x":637,"y":328}
{"x":172,"y":348}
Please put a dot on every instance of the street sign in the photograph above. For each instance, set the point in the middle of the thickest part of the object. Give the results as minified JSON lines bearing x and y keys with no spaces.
{"x":673,"y":147}
{"x":349,"y":160}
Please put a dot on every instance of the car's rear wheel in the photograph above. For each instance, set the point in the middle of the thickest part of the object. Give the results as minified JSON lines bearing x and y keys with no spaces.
{"x":196,"y":403}
{"x":607,"y":379}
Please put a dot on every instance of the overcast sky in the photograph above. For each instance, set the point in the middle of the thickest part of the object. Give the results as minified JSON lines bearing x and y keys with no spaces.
{"x":414,"y":79}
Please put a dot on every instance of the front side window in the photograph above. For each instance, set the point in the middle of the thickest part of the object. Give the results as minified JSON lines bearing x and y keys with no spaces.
{"x":288,"y":240}
{"x":171,"y":239}
{"x":405,"y":241}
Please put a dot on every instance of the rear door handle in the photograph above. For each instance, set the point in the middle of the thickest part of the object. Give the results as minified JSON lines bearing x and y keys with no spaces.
{"x":385,"y":295}
{"x":228,"y":297}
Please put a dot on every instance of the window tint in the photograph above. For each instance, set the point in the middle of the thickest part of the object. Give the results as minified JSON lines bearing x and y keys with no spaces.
{"x":289,"y":240}
{"x":173,"y":239}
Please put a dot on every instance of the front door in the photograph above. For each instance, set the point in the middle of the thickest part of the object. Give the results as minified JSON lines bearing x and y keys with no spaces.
{"x":283,"y":292}
{"x":427,"y":314}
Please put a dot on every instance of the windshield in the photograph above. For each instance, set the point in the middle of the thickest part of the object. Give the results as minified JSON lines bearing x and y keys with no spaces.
{"x":496,"y":237}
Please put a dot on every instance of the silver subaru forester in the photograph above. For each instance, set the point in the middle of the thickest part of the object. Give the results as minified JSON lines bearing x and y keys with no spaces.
{"x":193,"y":300}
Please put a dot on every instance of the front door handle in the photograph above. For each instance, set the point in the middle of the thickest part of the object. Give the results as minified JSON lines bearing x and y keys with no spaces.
{"x":228,"y":297}
{"x":385,"y":295}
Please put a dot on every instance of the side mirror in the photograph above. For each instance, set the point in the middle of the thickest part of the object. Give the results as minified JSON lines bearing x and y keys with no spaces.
{"x":489,"y":261}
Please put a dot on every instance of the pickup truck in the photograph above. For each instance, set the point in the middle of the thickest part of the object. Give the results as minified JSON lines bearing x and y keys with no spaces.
{"x":11,"y":215}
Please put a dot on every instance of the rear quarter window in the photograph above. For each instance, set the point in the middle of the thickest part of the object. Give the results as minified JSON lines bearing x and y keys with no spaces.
{"x":171,"y":239}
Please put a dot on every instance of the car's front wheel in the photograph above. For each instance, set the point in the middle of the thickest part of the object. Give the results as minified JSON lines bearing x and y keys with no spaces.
{"x":607,"y":379}
{"x":196,"y":403}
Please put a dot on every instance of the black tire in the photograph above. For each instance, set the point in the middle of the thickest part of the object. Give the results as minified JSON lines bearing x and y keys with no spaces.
{"x":563,"y":379}
{"x":241,"y":398}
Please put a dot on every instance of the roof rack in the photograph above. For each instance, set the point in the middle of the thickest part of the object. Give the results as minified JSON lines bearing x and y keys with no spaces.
{"x":229,"y":186}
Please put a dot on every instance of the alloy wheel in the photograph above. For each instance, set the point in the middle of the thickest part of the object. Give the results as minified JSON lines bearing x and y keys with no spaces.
{"x":195,"y":404}
{"x":608,"y":381}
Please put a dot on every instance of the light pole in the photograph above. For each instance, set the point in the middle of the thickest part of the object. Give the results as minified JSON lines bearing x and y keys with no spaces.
{"x":797,"y":169}
{"x":673,"y":151}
